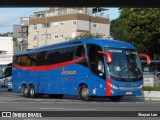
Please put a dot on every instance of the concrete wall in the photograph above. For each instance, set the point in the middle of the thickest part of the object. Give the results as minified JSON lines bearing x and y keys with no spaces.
{"x":6,"y":44}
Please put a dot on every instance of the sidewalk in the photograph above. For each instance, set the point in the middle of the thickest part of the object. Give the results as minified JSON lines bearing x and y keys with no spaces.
{"x":151,"y":95}
{"x":147,"y":95}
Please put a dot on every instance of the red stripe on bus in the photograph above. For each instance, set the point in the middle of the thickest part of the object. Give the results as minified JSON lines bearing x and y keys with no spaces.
{"x":108,"y":87}
{"x":49,"y":67}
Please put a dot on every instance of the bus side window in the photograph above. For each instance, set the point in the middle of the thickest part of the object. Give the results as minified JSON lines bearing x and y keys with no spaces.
{"x":41,"y":58}
{"x":23,"y":60}
{"x":32,"y":59}
{"x":50,"y":57}
{"x":80,"y":52}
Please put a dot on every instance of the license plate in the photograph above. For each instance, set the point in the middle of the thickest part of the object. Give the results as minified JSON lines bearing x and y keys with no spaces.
{"x":128,"y":93}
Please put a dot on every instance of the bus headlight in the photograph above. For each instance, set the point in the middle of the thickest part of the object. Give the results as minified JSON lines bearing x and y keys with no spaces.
{"x":113,"y":86}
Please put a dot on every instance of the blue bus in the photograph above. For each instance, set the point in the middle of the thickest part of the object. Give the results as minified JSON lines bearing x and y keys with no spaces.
{"x":84,"y":67}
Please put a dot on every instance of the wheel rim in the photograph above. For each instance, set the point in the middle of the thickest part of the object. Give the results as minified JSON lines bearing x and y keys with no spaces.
{"x":85,"y":92}
{"x":25,"y":91}
{"x":32,"y":91}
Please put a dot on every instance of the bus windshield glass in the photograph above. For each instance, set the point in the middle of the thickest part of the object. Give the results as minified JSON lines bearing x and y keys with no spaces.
{"x":1,"y":73}
{"x":125,"y":65}
{"x":1,"y":70}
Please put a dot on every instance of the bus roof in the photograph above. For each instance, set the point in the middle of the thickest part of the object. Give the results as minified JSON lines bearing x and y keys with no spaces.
{"x":101,"y":42}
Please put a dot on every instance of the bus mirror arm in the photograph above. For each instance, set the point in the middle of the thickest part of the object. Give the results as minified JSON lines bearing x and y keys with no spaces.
{"x":147,"y":58}
{"x":108,"y":56}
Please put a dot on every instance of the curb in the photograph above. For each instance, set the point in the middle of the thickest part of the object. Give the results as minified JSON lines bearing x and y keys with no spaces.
{"x":151,"y":95}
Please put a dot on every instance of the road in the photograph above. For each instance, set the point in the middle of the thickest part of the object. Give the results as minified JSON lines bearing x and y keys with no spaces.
{"x":75,"y":108}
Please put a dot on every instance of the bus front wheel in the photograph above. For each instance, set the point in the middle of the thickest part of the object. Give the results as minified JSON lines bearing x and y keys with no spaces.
{"x":84,"y":93}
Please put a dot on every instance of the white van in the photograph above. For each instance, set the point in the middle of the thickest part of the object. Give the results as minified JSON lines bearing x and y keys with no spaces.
{"x":5,"y":75}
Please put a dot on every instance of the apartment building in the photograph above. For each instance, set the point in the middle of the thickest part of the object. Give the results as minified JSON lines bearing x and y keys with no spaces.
{"x":62,"y":24}
{"x":20,"y":33}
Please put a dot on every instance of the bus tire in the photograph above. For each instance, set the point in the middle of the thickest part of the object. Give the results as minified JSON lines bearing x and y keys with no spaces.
{"x":22,"y":90}
{"x":25,"y":92}
{"x":84,"y":93}
{"x":32,"y":92}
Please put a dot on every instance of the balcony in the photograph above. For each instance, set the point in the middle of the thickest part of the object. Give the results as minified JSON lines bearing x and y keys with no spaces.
{"x":60,"y":12}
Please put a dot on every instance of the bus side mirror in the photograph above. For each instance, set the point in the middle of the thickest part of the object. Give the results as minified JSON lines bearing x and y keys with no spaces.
{"x":147,"y":58}
{"x":108,"y":56}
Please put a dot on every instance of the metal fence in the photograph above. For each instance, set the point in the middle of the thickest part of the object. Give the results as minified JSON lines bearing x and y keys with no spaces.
{"x":151,"y":78}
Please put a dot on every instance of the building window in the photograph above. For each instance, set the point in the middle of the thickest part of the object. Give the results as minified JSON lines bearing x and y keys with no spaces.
{"x":44,"y":25}
{"x":40,"y":15}
{"x":55,"y":24}
{"x":60,"y":12}
{"x":61,"y":36}
{"x":34,"y":37}
{"x":56,"y":36}
{"x":60,"y":24}
{"x":95,"y":25}
{"x":74,"y":22}
{"x":34,"y":26}
{"x":43,"y":36}
{"x":46,"y":36}
{"x":73,"y":34}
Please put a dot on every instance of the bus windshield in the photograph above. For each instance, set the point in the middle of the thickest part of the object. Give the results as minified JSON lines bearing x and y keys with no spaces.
{"x":1,"y":73}
{"x":125,"y":65}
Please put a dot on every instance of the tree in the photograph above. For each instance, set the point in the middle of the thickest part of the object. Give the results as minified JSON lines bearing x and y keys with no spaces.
{"x":89,"y":35}
{"x":7,"y":34}
{"x":140,"y":26}
{"x":116,"y":29}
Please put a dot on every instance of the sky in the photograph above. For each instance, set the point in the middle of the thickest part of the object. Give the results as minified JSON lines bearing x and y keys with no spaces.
{"x":11,"y":16}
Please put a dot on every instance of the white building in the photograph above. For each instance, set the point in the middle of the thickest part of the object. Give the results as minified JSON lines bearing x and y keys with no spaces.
{"x":6,"y":50}
{"x":61,"y":24}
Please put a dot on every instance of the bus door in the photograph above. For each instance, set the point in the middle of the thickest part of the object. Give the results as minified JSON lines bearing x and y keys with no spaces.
{"x":97,"y":67}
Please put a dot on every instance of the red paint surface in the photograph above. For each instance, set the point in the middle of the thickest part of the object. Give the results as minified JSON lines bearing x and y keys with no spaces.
{"x":108,"y":87}
{"x":49,"y":67}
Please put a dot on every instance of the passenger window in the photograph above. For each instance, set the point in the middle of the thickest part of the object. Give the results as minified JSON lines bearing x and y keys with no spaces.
{"x":80,"y":52}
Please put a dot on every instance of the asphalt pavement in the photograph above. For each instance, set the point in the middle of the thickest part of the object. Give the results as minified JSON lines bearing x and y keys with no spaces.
{"x":71,"y":107}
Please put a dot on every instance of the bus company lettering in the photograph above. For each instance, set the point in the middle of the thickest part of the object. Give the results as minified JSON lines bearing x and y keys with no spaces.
{"x":73,"y":72}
